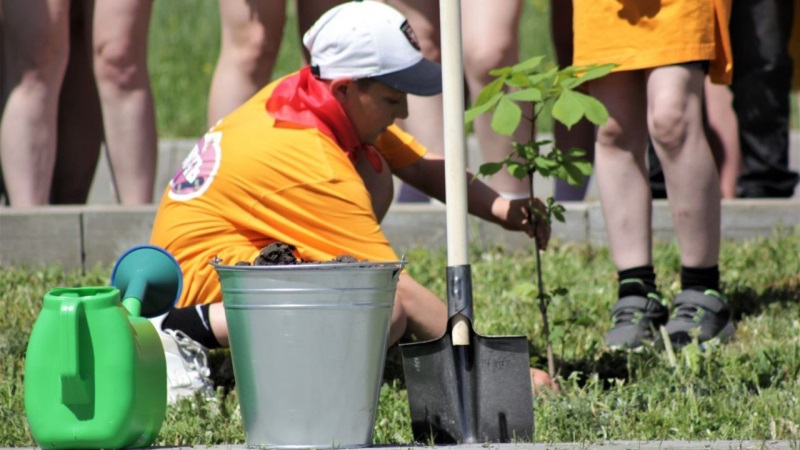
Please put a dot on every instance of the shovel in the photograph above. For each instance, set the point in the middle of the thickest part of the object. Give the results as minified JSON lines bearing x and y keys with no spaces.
{"x":464,"y":387}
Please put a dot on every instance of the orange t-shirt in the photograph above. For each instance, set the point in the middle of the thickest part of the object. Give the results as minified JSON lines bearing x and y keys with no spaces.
{"x":643,"y":34}
{"x":247,"y":183}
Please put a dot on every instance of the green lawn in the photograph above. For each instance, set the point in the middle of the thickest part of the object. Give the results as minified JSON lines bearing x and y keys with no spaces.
{"x":747,"y":389}
{"x":184,"y":45}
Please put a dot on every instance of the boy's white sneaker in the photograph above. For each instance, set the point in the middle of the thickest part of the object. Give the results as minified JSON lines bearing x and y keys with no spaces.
{"x":187,"y":366}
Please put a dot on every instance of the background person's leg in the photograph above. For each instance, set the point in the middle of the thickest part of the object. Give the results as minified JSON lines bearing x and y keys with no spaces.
{"x":723,"y":135}
{"x":426,"y":120}
{"x":252,"y":31}
{"x":308,"y":11}
{"x":621,"y":170}
{"x":120,"y":65}
{"x":622,"y":180}
{"x":760,"y":31}
{"x":675,"y":106}
{"x":36,"y":35}
{"x":500,"y":20}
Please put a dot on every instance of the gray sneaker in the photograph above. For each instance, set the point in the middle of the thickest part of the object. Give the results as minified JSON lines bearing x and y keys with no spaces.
{"x":706,"y":315}
{"x":636,"y":319}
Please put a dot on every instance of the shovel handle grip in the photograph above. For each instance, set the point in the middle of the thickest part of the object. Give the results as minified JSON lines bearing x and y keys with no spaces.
{"x":459,"y":332}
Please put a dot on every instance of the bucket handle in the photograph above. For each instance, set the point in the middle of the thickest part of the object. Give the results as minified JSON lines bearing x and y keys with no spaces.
{"x":73,"y":387}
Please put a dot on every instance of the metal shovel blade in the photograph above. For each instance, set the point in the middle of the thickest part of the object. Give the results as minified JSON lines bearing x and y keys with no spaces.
{"x":473,"y":393}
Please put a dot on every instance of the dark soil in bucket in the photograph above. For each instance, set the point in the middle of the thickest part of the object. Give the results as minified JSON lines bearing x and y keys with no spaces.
{"x":282,"y":254}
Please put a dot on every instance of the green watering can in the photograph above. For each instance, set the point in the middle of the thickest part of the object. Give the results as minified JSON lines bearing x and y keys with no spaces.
{"x":95,"y":373}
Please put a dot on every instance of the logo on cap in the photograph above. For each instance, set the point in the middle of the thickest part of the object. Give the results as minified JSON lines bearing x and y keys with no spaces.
{"x":409,"y":33}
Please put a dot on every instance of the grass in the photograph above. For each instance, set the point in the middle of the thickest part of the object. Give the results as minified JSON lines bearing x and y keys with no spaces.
{"x":747,"y":389}
{"x":184,"y":45}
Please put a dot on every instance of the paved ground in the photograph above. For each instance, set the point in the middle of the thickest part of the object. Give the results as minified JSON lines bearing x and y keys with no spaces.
{"x":618,"y":445}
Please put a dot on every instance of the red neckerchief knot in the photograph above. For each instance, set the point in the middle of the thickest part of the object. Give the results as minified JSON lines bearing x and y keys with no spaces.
{"x":302,"y":99}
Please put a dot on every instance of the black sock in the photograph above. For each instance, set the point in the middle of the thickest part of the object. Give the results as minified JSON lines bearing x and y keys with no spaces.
{"x":647,"y":276}
{"x":700,"y":278}
{"x":193,"y":321}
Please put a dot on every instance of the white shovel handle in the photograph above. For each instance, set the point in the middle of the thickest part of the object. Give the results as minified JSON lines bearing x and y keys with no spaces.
{"x":455,"y":149}
{"x":454,"y":139}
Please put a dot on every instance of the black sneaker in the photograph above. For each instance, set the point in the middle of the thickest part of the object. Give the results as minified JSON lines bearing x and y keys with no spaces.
{"x":706,"y":315}
{"x":636,"y":319}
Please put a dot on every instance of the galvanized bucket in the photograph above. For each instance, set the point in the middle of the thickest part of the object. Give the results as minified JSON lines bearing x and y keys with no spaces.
{"x":308,"y":344}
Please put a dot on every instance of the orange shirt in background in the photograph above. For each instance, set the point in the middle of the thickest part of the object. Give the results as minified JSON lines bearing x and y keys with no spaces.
{"x":643,"y":34}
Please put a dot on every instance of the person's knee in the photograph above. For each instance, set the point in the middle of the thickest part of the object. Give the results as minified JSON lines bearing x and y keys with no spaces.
{"x":484,"y":55}
{"x":43,"y":63}
{"x":253,"y":51}
{"x":120,"y":64}
{"x":611,"y":134}
{"x":668,"y":126}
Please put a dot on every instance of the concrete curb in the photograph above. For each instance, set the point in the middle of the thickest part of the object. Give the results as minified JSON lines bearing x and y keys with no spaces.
{"x":81,"y":237}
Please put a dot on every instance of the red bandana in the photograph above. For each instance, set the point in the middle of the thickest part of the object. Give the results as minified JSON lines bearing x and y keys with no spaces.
{"x":301,"y":99}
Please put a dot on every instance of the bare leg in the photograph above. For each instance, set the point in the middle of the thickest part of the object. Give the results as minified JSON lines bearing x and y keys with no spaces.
{"x":500,"y":20}
{"x":3,"y":196}
{"x":723,"y":135}
{"x":426,"y":119}
{"x":308,"y":11}
{"x":79,"y":135}
{"x":676,"y":126}
{"x":120,"y":47}
{"x":36,"y":50}
{"x":418,"y":311}
{"x":621,"y":169}
{"x":219,"y":323}
{"x":251,"y":38}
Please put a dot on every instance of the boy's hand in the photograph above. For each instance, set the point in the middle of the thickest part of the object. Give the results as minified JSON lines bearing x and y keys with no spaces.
{"x":520,"y":216}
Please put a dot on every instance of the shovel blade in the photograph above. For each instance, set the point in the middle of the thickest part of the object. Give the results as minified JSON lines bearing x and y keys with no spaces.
{"x":469,"y":394}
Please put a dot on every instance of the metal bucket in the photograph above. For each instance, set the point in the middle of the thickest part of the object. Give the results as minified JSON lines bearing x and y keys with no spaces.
{"x":308,"y":344}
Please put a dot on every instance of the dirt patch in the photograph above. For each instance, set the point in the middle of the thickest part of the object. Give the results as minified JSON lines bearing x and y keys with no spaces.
{"x":282,"y":254}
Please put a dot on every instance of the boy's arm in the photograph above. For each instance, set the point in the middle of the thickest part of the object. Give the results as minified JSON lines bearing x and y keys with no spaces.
{"x":428,"y":175}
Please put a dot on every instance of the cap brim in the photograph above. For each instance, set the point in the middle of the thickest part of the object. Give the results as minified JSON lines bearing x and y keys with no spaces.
{"x":423,"y":78}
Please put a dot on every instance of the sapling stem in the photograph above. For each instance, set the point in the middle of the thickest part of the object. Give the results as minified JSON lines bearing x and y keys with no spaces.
{"x":551,"y":366}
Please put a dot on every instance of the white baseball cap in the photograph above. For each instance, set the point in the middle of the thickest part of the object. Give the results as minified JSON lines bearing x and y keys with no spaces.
{"x":368,"y":39}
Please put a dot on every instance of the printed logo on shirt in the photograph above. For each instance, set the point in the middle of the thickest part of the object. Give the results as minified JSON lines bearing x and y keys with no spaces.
{"x":198,"y":169}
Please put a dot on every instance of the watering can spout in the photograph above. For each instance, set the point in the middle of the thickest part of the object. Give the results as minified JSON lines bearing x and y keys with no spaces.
{"x":149,"y":279}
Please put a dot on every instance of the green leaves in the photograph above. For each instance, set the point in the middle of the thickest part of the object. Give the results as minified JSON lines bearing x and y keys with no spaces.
{"x":572,"y":106}
{"x":506,"y":116}
{"x":552,"y":89}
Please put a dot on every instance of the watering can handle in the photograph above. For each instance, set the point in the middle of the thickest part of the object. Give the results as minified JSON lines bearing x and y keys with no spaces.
{"x":74,"y":389}
{"x":71,"y":310}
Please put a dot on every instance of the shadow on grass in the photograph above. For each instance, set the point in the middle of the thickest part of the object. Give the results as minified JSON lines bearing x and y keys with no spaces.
{"x":748,"y":302}
{"x":606,"y":366}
